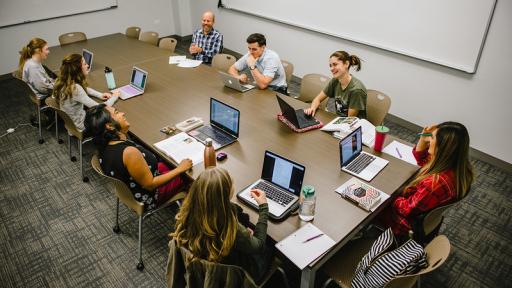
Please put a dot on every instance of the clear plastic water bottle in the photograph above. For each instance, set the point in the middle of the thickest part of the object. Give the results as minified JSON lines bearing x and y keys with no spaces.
{"x":307,"y":203}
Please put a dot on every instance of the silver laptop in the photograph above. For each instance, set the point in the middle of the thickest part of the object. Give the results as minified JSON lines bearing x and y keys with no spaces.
{"x":357,"y":162}
{"x":224,"y":125}
{"x":87,"y":58}
{"x":137,"y":84}
{"x":233,"y":83}
{"x":281,"y":179}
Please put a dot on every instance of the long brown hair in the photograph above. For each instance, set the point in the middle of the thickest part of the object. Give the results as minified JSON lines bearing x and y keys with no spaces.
{"x":206,"y":224}
{"x":343,"y":56}
{"x":70,"y":74}
{"x":451,"y":153}
{"x":34,"y":46}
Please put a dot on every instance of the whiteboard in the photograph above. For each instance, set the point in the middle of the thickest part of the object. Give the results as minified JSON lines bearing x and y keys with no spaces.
{"x":14,"y":12}
{"x":446,"y":32}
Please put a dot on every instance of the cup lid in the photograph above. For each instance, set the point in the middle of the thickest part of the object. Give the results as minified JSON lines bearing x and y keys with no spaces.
{"x":382,"y":129}
{"x":308,"y":190}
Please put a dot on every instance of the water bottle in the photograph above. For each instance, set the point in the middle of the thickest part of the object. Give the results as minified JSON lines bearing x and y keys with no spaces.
{"x":109,"y":75}
{"x":209,"y":154}
{"x":307,"y":203}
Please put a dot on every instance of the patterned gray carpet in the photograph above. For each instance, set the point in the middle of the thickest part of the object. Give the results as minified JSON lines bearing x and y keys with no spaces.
{"x":56,"y":231}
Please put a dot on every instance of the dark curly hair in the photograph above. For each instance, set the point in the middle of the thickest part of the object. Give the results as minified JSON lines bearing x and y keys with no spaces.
{"x":96,"y":120}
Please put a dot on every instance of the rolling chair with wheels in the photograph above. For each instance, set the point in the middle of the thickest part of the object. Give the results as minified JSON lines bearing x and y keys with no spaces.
{"x":149,"y":37}
{"x":377,"y":106}
{"x":72,"y":37}
{"x":168,"y":44}
{"x":132,"y":32}
{"x":223,"y":61}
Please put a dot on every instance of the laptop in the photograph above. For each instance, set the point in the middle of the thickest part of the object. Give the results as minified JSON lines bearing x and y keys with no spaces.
{"x":281,"y":179}
{"x":296,"y":117}
{"x":137,"y":84}
{"x":357,"y":162}
{"x":233,"y":83}
{"x":224,"y":125}
{"x":87,"y":58}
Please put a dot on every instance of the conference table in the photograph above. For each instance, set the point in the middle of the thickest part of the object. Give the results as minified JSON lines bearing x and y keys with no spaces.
{"x":174,"y":94}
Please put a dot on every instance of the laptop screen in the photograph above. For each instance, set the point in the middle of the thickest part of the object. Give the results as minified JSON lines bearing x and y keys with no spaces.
{"x":224,"y":117}
{"x":283,"y":172}
{"x":350,"y":146}
{"x":87,"y":57}
{"x":139,"y":78}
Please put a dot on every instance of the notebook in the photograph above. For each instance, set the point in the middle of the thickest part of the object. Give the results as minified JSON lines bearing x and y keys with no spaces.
{"x":281,"y":179}
{"x":223,"y":128}
{"x":296,"y":117}
{"x":87,"y":58}
{"x":233,"y":83}
{"x":361,"y":194}
{"x":357,"y":162}
{"x":137,"y":84}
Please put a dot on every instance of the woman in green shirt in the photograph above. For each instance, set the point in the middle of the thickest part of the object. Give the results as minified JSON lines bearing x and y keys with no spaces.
{"x":348,"y":92}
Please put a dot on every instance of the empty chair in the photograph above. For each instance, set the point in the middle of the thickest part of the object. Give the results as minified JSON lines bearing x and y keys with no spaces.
{"x":132,"y":32}
{"x":168,"y":43}
{"x":288,"y":70}
{"x":72,"y":37}
{"x":223,"y":61}
{"x":377,"y":106}
{"x":149,"y":37}
{"x":72,"y":131}
{"x":311,"y":85}
{"x":341,"y":267}
{"x":125,"y":195}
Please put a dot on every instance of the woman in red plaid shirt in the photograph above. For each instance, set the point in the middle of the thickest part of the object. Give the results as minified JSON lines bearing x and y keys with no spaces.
{"x":445,"y":175}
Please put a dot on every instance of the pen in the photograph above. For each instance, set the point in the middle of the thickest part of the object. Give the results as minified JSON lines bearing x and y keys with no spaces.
{"x":424,"y":134}
{"x":398,"y":152}
{"x":312,"y":238}
{"x":352,"y":124}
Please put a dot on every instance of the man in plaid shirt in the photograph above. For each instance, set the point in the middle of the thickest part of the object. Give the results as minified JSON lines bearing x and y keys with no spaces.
{"x":206,"y":42}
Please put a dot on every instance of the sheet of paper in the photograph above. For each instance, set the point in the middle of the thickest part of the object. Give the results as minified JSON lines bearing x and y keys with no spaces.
{"x":189,"y":63}
{"x":301,"y":251}
{"x":176,"y":59}
{"x":400,"y":151}
{"x":182,"y":146}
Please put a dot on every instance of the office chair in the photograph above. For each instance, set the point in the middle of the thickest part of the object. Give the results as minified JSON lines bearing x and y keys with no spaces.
{"x":149,"y":37}
{"x":223,"y":61}
{"x":72,"y":37}
{"x":427,"y":225}
{"x":341,"y":267}
{"x":311,"y":85}
{"x":377,"y":106}
{"x":168,"y":44}
{"x":125,"y":195}
{"x":72,"y":131}
{"x":288,"y":71}
{"x":132,"y":32}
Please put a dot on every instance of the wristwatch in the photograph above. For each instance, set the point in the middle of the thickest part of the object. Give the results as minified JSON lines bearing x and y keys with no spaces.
{"x":252,"y":67}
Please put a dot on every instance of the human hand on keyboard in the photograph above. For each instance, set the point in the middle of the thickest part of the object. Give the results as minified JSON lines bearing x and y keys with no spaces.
{"x":258,"y":196}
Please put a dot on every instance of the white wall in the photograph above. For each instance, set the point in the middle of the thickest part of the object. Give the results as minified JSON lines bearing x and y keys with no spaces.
{"x":422,"y":92}
{"x":154,"y":15}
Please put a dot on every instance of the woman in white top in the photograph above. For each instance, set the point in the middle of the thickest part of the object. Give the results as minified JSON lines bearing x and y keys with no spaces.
{"x":31,"y":69}
{"x":72,"y":93}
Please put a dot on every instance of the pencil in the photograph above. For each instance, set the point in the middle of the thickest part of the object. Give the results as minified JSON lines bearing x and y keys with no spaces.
{"x":398,"y":152}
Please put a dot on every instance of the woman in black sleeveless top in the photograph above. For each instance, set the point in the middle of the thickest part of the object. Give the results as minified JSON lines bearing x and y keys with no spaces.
{"x":150,"y":181}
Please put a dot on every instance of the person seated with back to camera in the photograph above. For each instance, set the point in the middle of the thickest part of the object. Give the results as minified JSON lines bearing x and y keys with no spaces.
{"x":208,"y":226}
{"x":151,"y":181}
{"x":264,"y":64}
{"x":445,"y":176}
{"x":71,"y":90}
{"x":347,"y":94}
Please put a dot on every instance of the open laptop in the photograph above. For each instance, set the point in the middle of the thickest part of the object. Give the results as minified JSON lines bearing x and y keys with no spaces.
{"x":281,"y":179}
{"x":233,"y":83}
{"x":296,"y":117}
{"x":87,"y":58}
{"x":224,"y":125}
{"x":357,"y":162}
{"x":137,"y":84}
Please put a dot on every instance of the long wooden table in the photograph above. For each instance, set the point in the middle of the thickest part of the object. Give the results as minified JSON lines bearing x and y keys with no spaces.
{"x":174,"y":94}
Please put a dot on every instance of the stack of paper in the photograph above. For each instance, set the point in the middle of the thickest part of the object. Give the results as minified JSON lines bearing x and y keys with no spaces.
{"x":367,"y":128}
{"x":305,"y":245}
{"x":189,"y":63}
{"x":182,"y":146}
{"x":176,"y":59}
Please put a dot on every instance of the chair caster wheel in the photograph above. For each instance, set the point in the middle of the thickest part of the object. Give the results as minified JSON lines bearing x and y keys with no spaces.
{"x":60,"y":141}
{"x":41,"y":141}
{"x":116,"y":229}
{"x":140,"y":266}
{"x":85,"y":179}
{"x":73,"y":159}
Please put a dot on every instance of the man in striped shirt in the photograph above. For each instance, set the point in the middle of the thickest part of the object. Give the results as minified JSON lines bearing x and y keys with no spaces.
{"x":206,"y":42}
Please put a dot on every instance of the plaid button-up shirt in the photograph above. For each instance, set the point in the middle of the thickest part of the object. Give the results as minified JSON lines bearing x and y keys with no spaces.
{"x":211,"y":44}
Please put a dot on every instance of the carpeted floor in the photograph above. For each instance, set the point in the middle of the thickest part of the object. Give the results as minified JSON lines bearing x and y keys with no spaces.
{"x":56,"y":231}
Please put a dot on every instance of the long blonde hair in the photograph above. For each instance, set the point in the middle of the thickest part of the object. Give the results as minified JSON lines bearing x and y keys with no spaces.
{"x":34,"y":46}
{"x":451,"y":153}
{"x":206,"y":224}
{"x":70,"y":74}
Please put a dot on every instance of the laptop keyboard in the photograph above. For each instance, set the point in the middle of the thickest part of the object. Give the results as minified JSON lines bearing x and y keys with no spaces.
{"x":362,"y":161}
{"x":273,"y":193}
{"x":209,"y":132}
{"x":129,"y":90}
